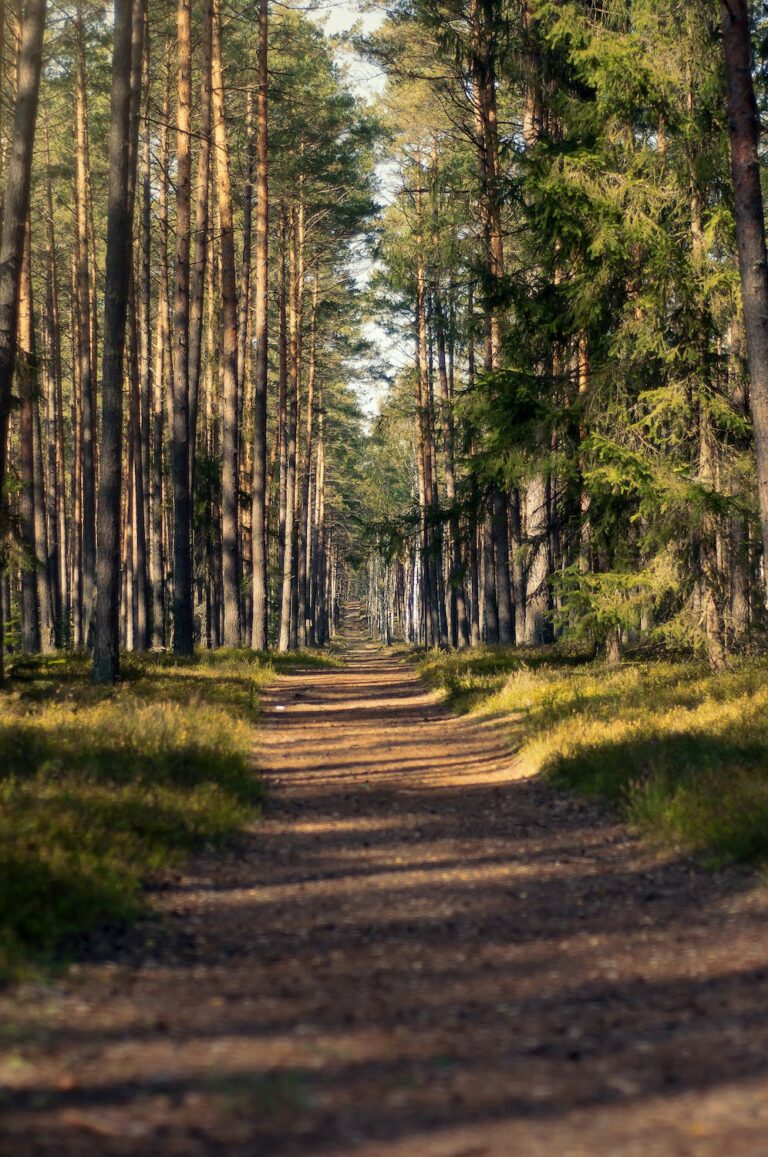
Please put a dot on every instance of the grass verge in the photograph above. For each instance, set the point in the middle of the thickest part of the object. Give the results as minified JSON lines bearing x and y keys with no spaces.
{"x":101,"y":788}
{"x":683,"y":753}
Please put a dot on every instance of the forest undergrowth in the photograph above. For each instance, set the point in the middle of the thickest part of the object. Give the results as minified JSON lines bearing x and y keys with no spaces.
{"x":681,"y":752}
{"x":100,"y":788}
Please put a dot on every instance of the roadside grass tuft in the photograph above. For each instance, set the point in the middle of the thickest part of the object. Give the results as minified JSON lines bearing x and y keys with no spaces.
{"x":681,"y":752}
{"x":101,"y":788}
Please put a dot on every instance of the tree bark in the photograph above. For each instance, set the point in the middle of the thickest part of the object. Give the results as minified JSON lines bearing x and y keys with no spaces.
{"x":15,"y":215}
{"x":85,"y":346}
{"x":744,"y":134}
{"x":286,"y":640}
{"x":260,"y":325}
{"x":26,"y":374}
{"x":304,"y":534}
{"x":183,"y":612}
{"x":163,"y":369}
{"x":229,"y":447}
{"x":58,"y":531}
{"x":128,"y":44}
{"x":200,"y":259}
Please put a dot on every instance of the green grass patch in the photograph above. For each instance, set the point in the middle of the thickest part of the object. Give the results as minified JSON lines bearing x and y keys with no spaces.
{"x":100,"y":788}
{"x":683,"y":753}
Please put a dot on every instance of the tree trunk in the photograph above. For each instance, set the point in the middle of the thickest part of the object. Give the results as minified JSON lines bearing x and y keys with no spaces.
{"x":229,"y":447}
{"x":126,"y":66}
{"x":537,"y":533}
{"x":26,"y":371}
{"x":431,"y":559}
{"x":457,"y":609}
{"x":57,"y":533}
{"x":304,"y":535}
{"x":291,"y":433}
{"x":15,"y":215}
{"x":85,"y":347}
{"x":200,"y":260}
{"x":261,"y":365}
{"x":162,"y":378}
{"x":744,"y":133}
{"x":183,"y":612}
{"x":145,"y":372}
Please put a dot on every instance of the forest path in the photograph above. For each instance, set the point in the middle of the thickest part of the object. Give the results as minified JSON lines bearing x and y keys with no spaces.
{"x":416,"y":952}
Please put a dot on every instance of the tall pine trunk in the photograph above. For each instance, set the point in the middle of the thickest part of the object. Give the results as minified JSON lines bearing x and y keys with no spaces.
{"x":183,"y":612}
{"x":229,"y":438}
{"x":260,"y":325}
{"x":26,"y":374}
{"x":15,"y":216}
{"x":126,"y":67}
{"x":744,"y":133}
{"x":200,"y":258}
{"x":86,"y":352}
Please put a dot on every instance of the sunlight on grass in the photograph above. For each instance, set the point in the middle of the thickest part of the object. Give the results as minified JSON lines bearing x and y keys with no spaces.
{"x":99,"y":788}
{"x":684,"y":753}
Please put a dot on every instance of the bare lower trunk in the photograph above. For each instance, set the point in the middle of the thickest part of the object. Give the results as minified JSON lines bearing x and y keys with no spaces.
{"x":291,"y":433}
{"x":15,"y":215}
{"x":200,"y":259}
{"x":260,"y":325}
{"x":537,"y":594}
{"x":183,"y":616}
{"x":126,"y":67}
{"x":501,"y":554}
{"x":744,"y":132}
{"x":26,"y":373}
{"x":162,"y":380}
{"x":85,"y":344}
{"x":229,"y":447}
{"x":304,"y":537}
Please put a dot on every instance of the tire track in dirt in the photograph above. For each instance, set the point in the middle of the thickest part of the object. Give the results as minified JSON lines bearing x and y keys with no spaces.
{"x":416,"y":952}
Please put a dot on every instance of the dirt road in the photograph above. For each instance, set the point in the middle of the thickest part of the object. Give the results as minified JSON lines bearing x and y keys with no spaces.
{"x":416,"y":952}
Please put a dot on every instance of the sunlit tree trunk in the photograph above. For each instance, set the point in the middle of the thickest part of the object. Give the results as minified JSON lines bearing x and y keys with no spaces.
{"x":295,"y":329}
{"x":144,"y":405}
{"x":229,"y":446}
{"x":304,"y":535}
{"x":426,"y":463}
{"x":57,"y":522}
{"x":183,"y":612}
{"x":291,"y":438}
{"x":162,"y":378}
{"x":26,"y":374}
{"x":261,"y":365}
{"x":85,"y":342}
{"x":200,"y":258}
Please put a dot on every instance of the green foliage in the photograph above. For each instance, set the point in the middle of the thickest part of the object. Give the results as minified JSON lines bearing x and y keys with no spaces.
{"x":596,"y":606}
{"x":100,"y":789}
{"x":681,"y":752}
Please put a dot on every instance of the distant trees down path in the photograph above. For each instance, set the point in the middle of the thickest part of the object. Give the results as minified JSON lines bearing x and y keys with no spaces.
{"x":568,"y":279}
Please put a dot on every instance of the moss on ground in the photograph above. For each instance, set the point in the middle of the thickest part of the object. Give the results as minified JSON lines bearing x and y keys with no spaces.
{"x":682,"y":752}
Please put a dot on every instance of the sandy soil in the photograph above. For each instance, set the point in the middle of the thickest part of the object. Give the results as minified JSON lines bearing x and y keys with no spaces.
{"x":417,"y":952}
